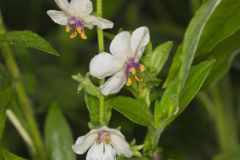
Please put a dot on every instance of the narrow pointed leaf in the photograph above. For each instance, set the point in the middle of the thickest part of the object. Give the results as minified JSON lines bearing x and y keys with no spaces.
{"x":134,"y":110}
{"x":155,"y":60}
{"x":27,"y":39}
{"x":58,"y":136}
{"x":194,"y":82}
{"x":223,"y":23}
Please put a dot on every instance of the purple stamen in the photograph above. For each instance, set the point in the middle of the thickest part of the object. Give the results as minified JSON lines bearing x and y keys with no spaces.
{"x":101,"y":134}
{"x":77,"y":25}
{"x":131,"y":63}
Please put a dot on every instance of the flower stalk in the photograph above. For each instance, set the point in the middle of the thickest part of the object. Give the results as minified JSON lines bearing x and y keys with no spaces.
{"x":23,"y":99}
{"x":101,"y":49}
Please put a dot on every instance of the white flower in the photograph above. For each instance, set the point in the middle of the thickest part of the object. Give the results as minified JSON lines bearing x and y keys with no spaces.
{"x":104,"y":144}
{"x":76,"y":15}
{"x":126,"y":51}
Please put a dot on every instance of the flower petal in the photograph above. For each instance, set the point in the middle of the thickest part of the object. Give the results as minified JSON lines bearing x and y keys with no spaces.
{"x":81,"y":7}
{"x":98,"y":21}
{"x":112,"y":131}
{"x":84,"y":142}
{"x":95,"y":152}
{"x":64,"y":6}
{"x":104,"y":65}
{"x":120,"y":145}
{"x":139,"y":40}
{"x":58,"y":17}
{"x":120,"y":45}
{"x":109,"y":153}
{"x":113,"y":84}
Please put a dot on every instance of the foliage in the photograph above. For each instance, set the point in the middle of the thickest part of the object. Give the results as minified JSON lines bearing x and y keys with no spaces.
{"x":186,"y":64}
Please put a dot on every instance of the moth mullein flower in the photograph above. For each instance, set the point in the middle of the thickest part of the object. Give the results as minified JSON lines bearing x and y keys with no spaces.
{"x":124,"y":61}
{"x":104,"y":144}
{"x":76,"y":15}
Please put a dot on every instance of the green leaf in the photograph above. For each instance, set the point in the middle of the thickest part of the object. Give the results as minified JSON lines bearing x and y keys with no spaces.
{"x":10,"y":156}
{"x":92,"y":103}
{"x":173,"y":71}
{"x":5,"y":97}
{"x":194,"y":82}
{"x":224,"y":53}
{"x":27,"y":39}
{"x":155,"y":60}
{"x":58,"y":136}
{"x":223,"y":23}
{"x":167,"y":106}
{"x":133,"y":109}
{"x":196,"y":78}
{"x":193,"y":35}
{"x":182,"y":62}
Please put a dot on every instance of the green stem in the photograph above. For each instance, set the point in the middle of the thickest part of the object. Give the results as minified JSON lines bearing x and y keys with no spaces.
{"x":224,"y":122}
{"x":101,"y":49}
{"x":22,"y":97}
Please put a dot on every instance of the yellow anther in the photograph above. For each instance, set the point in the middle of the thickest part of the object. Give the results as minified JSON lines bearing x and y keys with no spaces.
{"x":73,"y":35}
{"x":68,"y":29}
{"x":137,"y":78}
{"x":142,"y":68}
{"x":133,"y":70}
{"x":83,"y":36}
{"x":106,"y":139}
{"x":129,"y":82}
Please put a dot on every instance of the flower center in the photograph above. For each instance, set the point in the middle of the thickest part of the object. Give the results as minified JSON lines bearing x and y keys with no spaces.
{"x":132,"y":67}
{"x":77,"y":25}
{"x":103,"y":136}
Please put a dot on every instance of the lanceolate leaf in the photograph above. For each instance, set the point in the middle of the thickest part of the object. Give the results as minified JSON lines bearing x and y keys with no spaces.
{"x":27,"y":39}
{"x":92,"y":103}
{"x":155,"y":60}
{"x":10,"y":156}
{"x":58,"y":136}
{"x":193,"y":35}
{"x":133,"y":109}
{"x":223,"y":23}
{"x":224,"y":53}
{"x":182,"y":63}
{"x":194,"y":82}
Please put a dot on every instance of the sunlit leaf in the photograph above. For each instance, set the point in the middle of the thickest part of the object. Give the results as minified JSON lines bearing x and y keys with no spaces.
{"x":27,"y":39}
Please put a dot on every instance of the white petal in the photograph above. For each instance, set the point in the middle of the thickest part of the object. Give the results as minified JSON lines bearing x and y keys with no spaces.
{"x":64,"y":6}
{"x":109,"y":153}
{"x":113,"y":84}
{"x":139,"y":40}
{"x":104,"y":65}
{"x":120,"y":45}
{"x":58,"y":17}
{"x":112,"y":131}
{"x":98,"y":21}
{"x":120,"y":145}
{"x":81,"y":7}
{"x":84,"y":142}
{"x":95,"y":152}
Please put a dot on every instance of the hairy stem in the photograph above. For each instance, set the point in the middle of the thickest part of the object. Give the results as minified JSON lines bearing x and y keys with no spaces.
{"x":23,"y":98}
{"x":101,"y":49}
